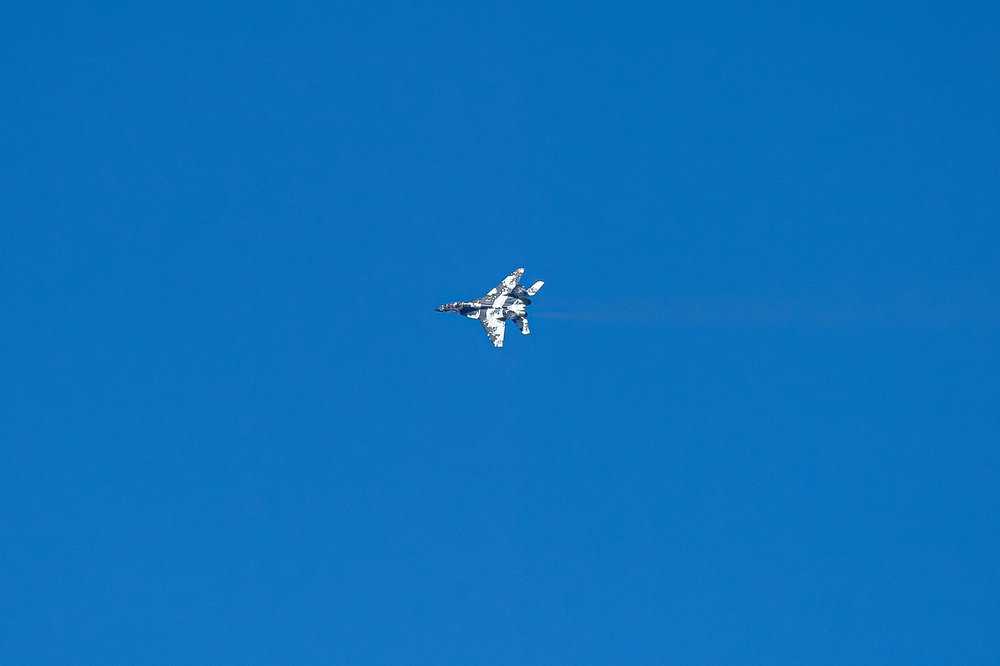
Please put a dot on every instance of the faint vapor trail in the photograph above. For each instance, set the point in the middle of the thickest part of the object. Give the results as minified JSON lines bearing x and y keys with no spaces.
{"x":898,"y":311}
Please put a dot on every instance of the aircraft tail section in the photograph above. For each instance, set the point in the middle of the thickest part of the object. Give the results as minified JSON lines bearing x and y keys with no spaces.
{"x":533,"y":289}
{"x":522,"y":323}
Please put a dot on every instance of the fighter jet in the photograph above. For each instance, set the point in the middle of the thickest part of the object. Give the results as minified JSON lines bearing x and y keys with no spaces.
{"x":505,"y":301}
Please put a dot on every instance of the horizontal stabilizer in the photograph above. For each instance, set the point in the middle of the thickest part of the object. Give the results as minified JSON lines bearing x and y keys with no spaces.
{"x":533,"y":289}
{"x":522,"y":323}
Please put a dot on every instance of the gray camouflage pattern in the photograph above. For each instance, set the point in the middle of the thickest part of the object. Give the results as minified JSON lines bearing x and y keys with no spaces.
{"x":506,"y":301}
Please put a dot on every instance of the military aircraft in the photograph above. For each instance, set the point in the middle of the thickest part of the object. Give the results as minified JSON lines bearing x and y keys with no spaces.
{"x":505,"y":301}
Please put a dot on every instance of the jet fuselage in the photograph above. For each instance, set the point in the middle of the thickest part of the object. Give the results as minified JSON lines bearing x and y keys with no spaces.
{"x":506,"y":302}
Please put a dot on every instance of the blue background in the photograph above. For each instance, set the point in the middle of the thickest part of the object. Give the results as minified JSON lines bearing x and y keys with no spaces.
{"x":756,"y":420}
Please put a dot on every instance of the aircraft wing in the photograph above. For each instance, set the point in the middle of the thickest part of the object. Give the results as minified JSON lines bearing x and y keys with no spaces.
{"x":507,"y":285}
{"x":494,"y":324}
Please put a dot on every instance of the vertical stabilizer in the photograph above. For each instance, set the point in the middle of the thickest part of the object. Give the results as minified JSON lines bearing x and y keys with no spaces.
{"x":533,"y":289}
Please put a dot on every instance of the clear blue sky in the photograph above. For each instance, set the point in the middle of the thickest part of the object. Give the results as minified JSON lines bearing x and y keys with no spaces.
{"x":756,"y":420}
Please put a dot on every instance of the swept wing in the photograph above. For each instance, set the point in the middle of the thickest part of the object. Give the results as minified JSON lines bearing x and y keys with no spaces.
{"x":507,"y":285}
{"x":494,"y":324}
